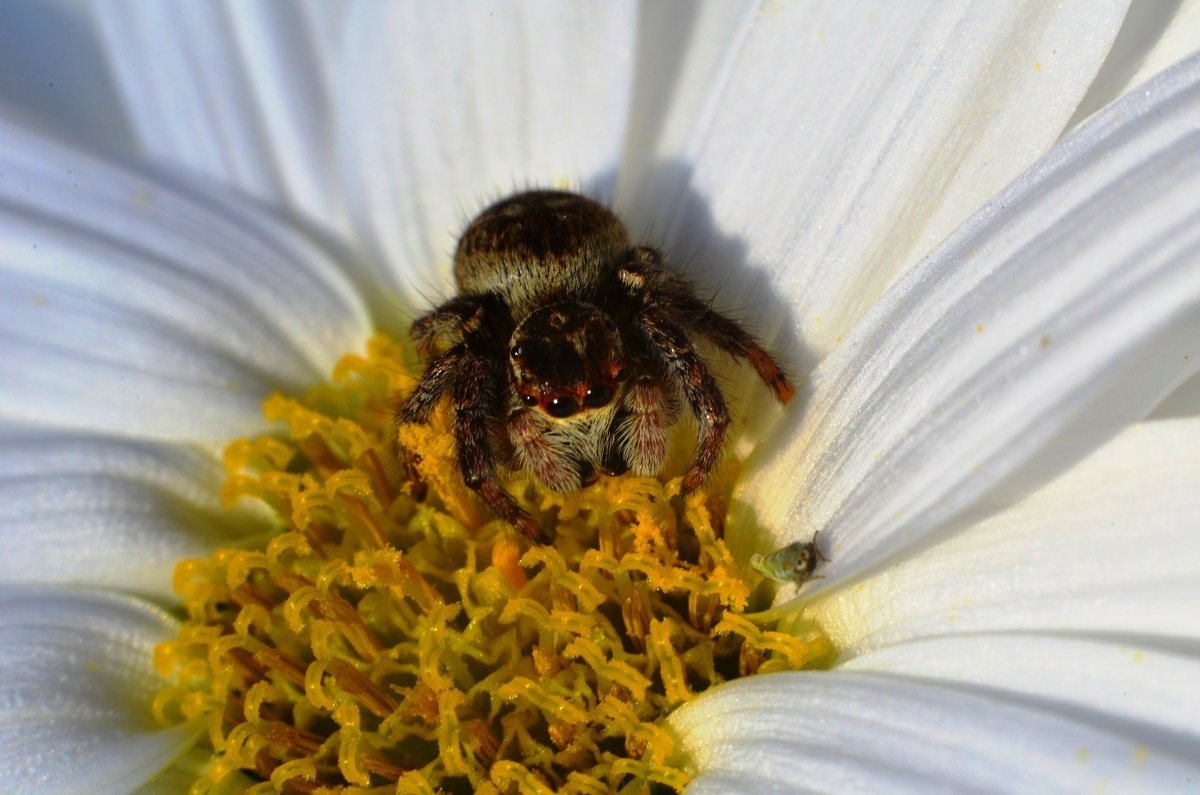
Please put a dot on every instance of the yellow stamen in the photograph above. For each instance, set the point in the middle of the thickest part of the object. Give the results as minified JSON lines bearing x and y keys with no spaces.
{"x":387,"y":641}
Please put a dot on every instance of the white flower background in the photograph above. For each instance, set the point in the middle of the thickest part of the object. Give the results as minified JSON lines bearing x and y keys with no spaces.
{"x":974,"y":228}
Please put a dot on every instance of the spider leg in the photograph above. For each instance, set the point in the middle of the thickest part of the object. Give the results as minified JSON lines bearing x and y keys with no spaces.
{"x":671,"y":342}
{"x":677,"y":297}
{"x":434,"y":383}
{"x":472,"y":394}
{"x":452,"y":319}
{"x":727,"y":334}
{"x":418,"y":405}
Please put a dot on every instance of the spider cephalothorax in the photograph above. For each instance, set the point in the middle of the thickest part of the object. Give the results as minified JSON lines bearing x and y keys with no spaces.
{"x":568,"y":351}
{"x":565,"y":358}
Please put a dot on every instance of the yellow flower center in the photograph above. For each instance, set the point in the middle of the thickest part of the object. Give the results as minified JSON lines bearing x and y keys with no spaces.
{"x":379,"y":641}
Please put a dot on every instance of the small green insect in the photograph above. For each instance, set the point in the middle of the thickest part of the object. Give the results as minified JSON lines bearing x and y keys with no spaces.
{"x":794,"y":563}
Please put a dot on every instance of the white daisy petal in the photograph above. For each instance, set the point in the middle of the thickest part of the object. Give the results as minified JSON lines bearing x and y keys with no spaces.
{"x":844,"y":732}
{"x":109,"y":512}
{"x":136,"y":306}
{"x":1182,"y":402}
{"x":849,"y":141}
{"x":74,"y":700}
{"x":1179,"y":39}
{"x":53,"y":74}
{"x":327,"y":22}
{"x":1065,"y":310}
{"x":1153,"y":35}
{"x":1109,"y":546}
{"x":507,"y":97}
{"x":236,"y":91}
{"x":1145,"y":681}
{"x":682,"y":49}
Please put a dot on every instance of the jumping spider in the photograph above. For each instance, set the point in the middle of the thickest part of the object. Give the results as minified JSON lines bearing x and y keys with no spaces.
{"x":568,"y":350}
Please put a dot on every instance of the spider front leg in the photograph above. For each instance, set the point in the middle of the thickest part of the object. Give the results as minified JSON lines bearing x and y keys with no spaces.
{"x":467,"y":377}
{"x":671,"y":342}
{"x":472,"y":392}
{"x":676,"y":297}
{"x":452,"y":319}
{"x":438,"y":377}
{"x":417,"y":407}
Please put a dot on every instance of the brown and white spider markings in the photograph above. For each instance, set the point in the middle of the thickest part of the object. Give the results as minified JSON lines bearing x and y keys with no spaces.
{"x":568,"y":350}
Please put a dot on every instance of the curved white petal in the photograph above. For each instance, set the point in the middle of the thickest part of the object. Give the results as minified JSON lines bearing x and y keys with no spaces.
{"x":1144,"y":682}
{"x":1065,"y":310}
{"x":1177,"y":40}
{"x":134,"y":305}
{"x":682,"y":51}
{"x":451,"y":105}
{"x":237,"y":91}
{"x":848,"y":732}
{"x":848,"y":141}
{"x":109,"y":512}
{"x":326,"y":22}
{"x":1110,"y":546}
{"x":1182,"y":402}
{"x":1153,"y":36}
{"x":53,"y":73}
{"x":74,"y":699}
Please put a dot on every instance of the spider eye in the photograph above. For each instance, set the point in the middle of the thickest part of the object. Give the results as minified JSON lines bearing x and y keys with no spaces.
{"x":598,"y":396}
{"x":516,"y":352}
{"x":530,"y":400}
{"x":562,"y":407}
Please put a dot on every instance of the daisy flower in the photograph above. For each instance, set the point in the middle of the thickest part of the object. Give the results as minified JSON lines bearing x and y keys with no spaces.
{"x":972,"y":228}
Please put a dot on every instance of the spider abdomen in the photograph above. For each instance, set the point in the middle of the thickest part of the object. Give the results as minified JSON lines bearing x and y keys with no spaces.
{"x":536,"y":246}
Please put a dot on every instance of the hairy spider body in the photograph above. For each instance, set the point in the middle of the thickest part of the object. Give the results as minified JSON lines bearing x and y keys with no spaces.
{"x":568,"y":352}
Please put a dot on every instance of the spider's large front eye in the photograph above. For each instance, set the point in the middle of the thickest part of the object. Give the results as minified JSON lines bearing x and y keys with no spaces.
{"x":597,"y":396}
{"x":562,"y":407}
